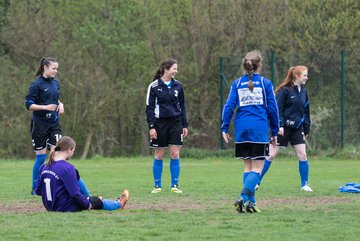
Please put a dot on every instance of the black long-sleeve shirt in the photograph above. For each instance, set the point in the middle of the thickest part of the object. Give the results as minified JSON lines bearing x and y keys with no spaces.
{"x":294,"y":110}
{"x":44,"y":91}
{"x":162,"y":102}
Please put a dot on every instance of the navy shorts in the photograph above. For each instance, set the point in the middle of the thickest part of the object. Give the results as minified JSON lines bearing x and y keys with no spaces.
{"x":169,"y":132}
{"x":43,"y":135}
{"x":294,"y":136}
{"x":253,"y":151}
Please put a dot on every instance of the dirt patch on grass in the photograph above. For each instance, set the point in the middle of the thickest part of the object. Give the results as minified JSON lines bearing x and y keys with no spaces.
{"x":169,"y":206}
{"x":22,"y":207}
{"x":188,"y":204}
{"x":313,"y":201}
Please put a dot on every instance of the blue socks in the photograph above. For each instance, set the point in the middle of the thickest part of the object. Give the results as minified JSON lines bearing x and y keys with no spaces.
{"x":157,"y":172}
{"x":39,"y":160}
{"x":175,"y":171}
{"x":110,"y":204}
{"x":83,"y":188}
{"x":304,"y":172}
{"x":266,"y":167}
{"x":248,"y":192}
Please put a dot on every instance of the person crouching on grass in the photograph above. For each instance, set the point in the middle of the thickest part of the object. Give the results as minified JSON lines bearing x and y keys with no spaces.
{"x":57,"y":184}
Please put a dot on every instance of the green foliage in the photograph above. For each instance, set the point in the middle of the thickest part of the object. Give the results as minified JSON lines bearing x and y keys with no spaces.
{"x":204,"y":211}
{"x":108,"y":52}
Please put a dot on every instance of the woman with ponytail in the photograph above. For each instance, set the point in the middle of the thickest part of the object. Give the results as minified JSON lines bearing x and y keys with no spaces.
{"x":57,"y":184}
{"x":43,"y":100}
{"x":253,"y":97}
{"x":294,"y":114}
{"x":167,"y":121}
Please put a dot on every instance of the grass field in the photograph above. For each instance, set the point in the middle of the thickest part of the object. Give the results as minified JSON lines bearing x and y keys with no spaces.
{"x":203,"y":212}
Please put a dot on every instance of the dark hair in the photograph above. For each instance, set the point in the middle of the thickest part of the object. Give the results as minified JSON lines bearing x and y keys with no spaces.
{"x":64,"y":144}
{"x":251,"y":63}
{"x":44,"y":61}
{"x":293,"y":72}
{"x":166,"y":64}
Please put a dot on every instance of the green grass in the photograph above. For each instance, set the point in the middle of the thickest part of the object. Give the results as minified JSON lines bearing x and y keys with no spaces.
{"x":203,"y":212}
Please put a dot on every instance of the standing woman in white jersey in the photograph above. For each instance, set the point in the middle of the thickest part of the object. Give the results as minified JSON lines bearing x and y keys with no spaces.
{"x":253,"y":97}
{"x":167,"y":121}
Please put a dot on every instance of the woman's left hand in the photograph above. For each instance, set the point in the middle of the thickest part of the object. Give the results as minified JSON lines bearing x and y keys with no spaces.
{"x":185,"y":132}
{"x":61,"y":108}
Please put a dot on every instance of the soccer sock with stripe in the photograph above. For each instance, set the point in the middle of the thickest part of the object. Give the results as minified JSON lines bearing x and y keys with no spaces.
{"x":39,"y":160}
{"x":175,"y":171}
{"x":157,"y":172}
{"x":266,"y":167}
{"x":304,"y":172}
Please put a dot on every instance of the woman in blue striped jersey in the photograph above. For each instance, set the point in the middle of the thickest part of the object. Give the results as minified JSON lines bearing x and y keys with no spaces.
{"x":254,"y":98}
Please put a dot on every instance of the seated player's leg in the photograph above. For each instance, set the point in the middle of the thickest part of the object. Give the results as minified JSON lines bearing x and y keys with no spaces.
{"x":98,"y":203}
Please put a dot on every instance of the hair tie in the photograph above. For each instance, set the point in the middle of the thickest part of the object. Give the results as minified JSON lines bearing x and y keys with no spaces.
{"x":57,"y":148}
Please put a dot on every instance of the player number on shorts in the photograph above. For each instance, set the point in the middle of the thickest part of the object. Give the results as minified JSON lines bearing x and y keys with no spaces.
{"x":58,"y":137}
{"x":48,"y":189}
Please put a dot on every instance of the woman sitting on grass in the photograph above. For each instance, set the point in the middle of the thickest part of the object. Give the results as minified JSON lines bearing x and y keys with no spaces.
{"x":57,"y":184}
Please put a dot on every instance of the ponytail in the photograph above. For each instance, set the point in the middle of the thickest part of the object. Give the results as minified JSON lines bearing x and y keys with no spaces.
{"x":251,"y":63}
{"x":51,"y":158}
{"x":293,"y":72}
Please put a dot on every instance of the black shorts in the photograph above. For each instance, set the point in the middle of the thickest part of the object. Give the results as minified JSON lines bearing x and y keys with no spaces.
{"x":294,"y":136}
{"x":253,"y":151}
{"x":43,"y":135}
{"x":169,"y":132}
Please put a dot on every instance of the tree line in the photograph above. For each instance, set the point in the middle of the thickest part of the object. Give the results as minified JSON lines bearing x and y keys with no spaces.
{"x":109,"y":50}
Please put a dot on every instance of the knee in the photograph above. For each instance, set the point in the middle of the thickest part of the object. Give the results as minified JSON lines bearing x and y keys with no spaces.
{"x":302,"y":156}
{"x":174,"y":154}
{"x":159,"y":155}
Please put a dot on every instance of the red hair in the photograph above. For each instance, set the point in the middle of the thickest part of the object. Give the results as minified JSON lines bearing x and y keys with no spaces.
{"x":292,"y":75}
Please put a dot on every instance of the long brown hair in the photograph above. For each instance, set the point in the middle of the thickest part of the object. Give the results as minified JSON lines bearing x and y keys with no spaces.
{"x":293,"y":72}
{"x":44,"y":61}
{"x":252,"y":63}
{"x":166,"y":64}
{"x":64,"y":144}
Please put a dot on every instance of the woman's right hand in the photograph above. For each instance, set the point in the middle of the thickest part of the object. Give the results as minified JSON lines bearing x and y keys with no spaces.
{"x":281,"y":131}
{"x":226,"y":137}
{"x":153,"y":134}
{"x":51,"y":107}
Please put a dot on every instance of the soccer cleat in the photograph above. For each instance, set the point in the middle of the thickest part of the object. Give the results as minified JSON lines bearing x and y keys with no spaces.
{"x":33,"y":192}
{"x":257,"y":187}
{"x":156,"y":190}
{"x":306,"y":188}
{"x":176,"y":189}
{"x":239,"y":204}
{"x":125,"y":196}
{"x":251,"y":207}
